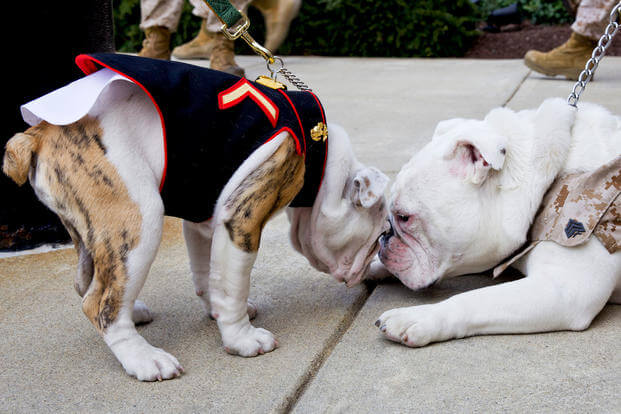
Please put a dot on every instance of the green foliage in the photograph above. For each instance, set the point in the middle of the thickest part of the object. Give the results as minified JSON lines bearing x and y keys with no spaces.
{"x":127,"y":34}
{"x":342,"y":28}
{"x":537,"y":11}
{"x":380,"y":28}
{"x":545,"y":12}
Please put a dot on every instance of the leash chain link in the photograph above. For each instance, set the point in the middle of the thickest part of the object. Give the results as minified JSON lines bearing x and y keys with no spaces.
{"x":598,"y":53}
{"x":294,"y":80}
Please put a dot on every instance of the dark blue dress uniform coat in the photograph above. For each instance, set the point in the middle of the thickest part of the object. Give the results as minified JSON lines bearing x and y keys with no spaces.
{"x":212,"y":122}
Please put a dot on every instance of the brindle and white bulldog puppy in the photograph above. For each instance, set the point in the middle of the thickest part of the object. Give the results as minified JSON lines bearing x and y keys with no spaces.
{"x":467,"y":200}
{"x":102,"y":174}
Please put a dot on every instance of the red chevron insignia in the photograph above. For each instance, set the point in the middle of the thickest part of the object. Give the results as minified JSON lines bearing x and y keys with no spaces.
{"x":244,"y":89}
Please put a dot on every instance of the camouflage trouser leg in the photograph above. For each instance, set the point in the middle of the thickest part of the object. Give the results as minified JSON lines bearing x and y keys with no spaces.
{"x":592,"y":17}
{"x":160,"y":13}
{"x":213,"y":24}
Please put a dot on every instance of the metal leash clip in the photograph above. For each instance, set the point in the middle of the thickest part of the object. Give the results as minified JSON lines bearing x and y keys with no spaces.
{"x":241,"y":30}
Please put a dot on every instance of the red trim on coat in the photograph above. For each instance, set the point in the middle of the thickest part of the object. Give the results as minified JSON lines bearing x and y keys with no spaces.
{"x":298,"y":148}
{"x":296,"y":115}
{"x":87,"y":65}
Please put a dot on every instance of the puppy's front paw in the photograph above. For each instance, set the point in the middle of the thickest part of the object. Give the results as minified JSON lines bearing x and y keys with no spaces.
{"x":144,"y":361}
{"x":414,"y":326}
{"x":248,"y":341}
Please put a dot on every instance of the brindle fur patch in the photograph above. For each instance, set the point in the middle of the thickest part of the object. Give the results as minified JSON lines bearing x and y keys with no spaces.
{"x":90,"y":197}
{"x":263,"y":192}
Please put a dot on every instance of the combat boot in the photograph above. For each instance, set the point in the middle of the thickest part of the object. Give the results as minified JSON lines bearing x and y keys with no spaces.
{"x":223,"y":56}
{"x":568,"y":59}
{"x":198,"y":48}
{"x":156,"y":43}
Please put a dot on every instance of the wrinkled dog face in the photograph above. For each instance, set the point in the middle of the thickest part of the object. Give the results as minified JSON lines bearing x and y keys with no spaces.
{"x":339,"y":234}
{"x":467,"y":199}
{"x":342,"y":238}
{"x":440,"y":211}
{"x":348,"y":237}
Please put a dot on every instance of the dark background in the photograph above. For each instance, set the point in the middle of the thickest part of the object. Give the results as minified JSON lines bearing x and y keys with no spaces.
{"x":41,"y":39}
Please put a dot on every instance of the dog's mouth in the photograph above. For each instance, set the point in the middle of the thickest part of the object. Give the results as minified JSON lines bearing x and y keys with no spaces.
{"x":359,"y":273}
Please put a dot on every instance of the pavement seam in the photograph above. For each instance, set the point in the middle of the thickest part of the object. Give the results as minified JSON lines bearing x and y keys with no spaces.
{"x":318,"y":361}
{"x":517,"y":88}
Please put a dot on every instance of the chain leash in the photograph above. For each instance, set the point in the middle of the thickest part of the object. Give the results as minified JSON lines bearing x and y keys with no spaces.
{"x":598,"y":53}
{"x":286,"y":73}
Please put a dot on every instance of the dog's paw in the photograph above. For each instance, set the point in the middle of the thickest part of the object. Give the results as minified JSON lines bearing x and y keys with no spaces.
{"x":414,"y":326}
{"x":146,"y":362}
{"x":248,"y":341}
{"x":141,"y":314}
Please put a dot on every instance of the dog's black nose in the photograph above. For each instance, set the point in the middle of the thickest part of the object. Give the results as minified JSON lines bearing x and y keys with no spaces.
{"x":387,"y":234}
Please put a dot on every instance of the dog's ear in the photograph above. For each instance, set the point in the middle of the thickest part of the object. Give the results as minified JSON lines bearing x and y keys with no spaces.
{"x":472,"y":158}
{"x":445,"y":126}
{"x":553,"y":123}
{"x":368,"y":187}
{"x":18,"y":157}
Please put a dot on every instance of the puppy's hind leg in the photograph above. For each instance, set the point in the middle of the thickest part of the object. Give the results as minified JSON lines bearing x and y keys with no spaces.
{"x":119,"y":232}
{"x":138,"y":357}
{"x":198,"y":239}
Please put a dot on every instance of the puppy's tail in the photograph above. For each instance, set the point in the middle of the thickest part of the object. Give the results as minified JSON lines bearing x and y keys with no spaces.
{"x":18,"y":157}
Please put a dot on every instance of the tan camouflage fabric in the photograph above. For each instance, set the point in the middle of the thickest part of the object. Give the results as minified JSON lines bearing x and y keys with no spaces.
{"x":576,"y":207}
{"x":592,"y":17}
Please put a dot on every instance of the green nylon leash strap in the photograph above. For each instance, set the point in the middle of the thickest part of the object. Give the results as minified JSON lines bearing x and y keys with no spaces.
{"x":225,"y":11}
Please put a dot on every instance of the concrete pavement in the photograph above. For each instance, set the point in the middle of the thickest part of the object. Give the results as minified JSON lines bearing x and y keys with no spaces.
{"x":331,"y":357}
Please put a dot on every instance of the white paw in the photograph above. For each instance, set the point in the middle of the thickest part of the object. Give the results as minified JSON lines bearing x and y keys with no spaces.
{"x":141,"y":314}
{"x":414,"y":326}
{"x":247,"y":341}
{"x":144,"y":361}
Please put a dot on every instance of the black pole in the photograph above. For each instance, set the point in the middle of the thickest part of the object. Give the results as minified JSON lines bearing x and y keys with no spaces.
{"x":41,"y":40}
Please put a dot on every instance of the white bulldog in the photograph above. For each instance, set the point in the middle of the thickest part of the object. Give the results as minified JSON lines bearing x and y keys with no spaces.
{"x":466,"y":201}
{"x":101,"y":175}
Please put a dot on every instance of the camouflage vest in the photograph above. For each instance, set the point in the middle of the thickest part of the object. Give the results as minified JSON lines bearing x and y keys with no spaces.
{"x":576,"y":207}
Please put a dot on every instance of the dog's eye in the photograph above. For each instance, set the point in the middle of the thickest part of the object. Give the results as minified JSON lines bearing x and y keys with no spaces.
{"x":402,"y":217}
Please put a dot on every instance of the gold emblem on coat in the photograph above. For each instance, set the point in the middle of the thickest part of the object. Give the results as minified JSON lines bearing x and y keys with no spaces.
{"x":270,"y":83}
{"x":319,"y":132}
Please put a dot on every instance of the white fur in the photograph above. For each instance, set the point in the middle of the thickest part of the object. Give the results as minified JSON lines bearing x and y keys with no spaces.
{"x":447,"y":224}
